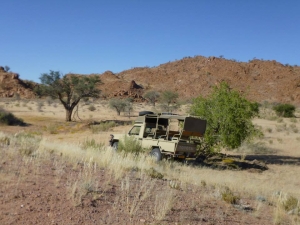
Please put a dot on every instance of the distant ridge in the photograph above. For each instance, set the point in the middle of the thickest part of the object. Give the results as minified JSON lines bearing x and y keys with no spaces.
{"x":259,"y":80}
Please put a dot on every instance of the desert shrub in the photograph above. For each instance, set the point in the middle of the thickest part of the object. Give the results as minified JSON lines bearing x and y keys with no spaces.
{"x":290,"y":203}
{"x":269,"y":130}
{"x":52,"y":128}
{"x":293,"y":120}
{"x":129,"y":144}
{"x":92,"y":108}
{"x":285,"y":110}
{"x":106,"y":126}
{"x":229,"y":118}
{"x":27,"y":143}
{"x":7,"y":118}
{"x":229,"y":197}
{"x":154,"y":173}
{"x":91,"y":144}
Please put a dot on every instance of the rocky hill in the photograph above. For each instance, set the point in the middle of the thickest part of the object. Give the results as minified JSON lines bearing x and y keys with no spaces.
{"x":259,"y":80}
{"x":12,"y":86}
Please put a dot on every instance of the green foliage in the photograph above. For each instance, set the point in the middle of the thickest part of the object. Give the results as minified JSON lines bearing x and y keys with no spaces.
{"x":7,"y":118}
{"x":169,"y":101}
{"x":285,"y":110}
{"x":152,"y":96}
{"x":228,"y":116}
{"x":69,"y":89}
{"x":129,"y":144}
{"x":118,"y":104}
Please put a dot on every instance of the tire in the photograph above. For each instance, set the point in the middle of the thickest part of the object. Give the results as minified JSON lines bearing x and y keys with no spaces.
{"x":115,"y":146}
{"x":155,"y":153}
{"x":142,"y":113}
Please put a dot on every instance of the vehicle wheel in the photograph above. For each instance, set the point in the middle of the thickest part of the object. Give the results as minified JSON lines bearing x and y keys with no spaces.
{"x":142,"y":113}
{"x":156,"y":154}
{"x":115,"y":146}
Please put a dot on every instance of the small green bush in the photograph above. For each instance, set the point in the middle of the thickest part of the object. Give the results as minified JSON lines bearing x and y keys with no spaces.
{"x":285,"y":110}
{"x":106,"y":126}
{"x":229,"y":197}
{"x":154,"y":174}
{"x":92,"y":108}
{"x":130,"y":145}
{"x":7,"y":118}
{"x":91,"y":144}
{"x":290,"y":203}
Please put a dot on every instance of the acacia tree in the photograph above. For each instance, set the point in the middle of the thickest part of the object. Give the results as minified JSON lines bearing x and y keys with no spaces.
{"x":169,"y":100}
{"x":69,"y":89}
{"x":229,"y":118}
{"x":152,"y":96}
{"x":118,"y":104}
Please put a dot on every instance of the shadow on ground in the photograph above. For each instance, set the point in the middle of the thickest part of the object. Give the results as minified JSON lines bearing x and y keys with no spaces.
{"x":275,"y":159}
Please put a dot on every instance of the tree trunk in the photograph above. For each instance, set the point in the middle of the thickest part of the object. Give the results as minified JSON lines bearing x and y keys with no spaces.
{"x":69,"y":114}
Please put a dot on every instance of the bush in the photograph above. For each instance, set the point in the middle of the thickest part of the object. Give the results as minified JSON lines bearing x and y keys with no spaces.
{"x":290,"y":203}
{"x":229,"y":197}
{"x":229,"y":118}
{"x":285,"y":110}
{"x":91,"y":144}
{"x":92,"y":108}
{"x":8,"y":118}
{"x":130,"y":145}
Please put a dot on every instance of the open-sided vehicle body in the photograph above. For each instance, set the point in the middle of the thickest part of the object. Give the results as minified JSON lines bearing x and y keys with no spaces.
{"x":168,"y":135}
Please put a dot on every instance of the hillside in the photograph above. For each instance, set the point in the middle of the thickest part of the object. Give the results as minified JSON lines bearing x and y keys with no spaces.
{"x":11,"y":85}
{"x":259,"y":80}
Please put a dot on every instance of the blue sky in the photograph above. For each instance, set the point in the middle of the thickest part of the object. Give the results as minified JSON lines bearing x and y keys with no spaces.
{"x":94,"y":36}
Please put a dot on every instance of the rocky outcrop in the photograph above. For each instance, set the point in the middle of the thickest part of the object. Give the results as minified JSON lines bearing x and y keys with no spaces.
{"x":11,"y":85}
{"x":134,"y":92}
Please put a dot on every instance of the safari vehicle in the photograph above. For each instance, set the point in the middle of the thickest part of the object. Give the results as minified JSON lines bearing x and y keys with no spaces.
{"x":167,"y":136}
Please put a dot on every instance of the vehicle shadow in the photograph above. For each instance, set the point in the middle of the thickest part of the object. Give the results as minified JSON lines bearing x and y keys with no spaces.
{"x":275,"y":159}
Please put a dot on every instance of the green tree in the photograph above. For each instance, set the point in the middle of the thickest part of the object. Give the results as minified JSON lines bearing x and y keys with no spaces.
{"x":229,"y":118}
{"x":118,"y":104}
{"x":152,"y":97}
{"x":169,"y":100}
{"x":69,"y":89}
{"x":285,"y":110}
